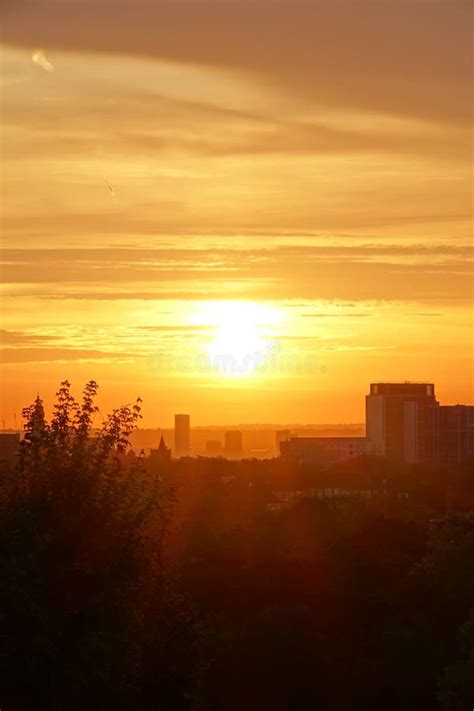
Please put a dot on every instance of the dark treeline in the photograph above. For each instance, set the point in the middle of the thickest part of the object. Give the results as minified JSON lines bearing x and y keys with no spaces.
{"x":138,"y":583}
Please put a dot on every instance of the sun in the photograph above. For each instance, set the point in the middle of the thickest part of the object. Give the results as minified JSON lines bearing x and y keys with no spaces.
{"x":241,"y":333}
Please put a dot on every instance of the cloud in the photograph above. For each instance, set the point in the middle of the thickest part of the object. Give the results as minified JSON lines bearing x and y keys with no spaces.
{"x":54,"y":355}
{"x":152,"y":107}
{"x":19,"y":338}
{"x":347,"y":271}
{"x":179,"y":329}
{"x":403,"y":58}
{"x":191,"y":150}
{"x":342,"y":314}
{"x":202,"y":129}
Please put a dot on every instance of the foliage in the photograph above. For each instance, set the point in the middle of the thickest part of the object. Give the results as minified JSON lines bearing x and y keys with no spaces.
{"x":115,"y":592}
{"x":80,"y":548}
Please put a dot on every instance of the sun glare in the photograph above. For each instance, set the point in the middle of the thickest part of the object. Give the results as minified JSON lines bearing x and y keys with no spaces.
{"x":241,"y":333}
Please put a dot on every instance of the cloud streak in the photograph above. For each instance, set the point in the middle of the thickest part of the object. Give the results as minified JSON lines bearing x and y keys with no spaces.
{"x":405,"y":58}
{"x":319,"y":271}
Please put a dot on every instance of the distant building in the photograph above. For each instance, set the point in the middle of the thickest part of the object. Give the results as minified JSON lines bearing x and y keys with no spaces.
{"x":456,"y":433}
{"x":213,"y":448}
{"x":263,"y":453}
{"x":9,"y":446}
{"x":233,"y":444}
{"x":281,"y":436}
{"x":162,"y":453}
{"x":182,"y":435}
{"x":324,"y":450}
{"x":401,"y":421}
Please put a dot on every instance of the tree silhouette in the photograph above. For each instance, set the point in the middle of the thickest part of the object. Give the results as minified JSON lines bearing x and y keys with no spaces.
{"x":80,"y":553}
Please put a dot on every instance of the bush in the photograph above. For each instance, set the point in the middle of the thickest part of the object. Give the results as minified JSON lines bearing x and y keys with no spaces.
{"x":82,"y":591}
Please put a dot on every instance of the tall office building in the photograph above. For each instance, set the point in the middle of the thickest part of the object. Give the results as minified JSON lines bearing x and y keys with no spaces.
{"x":402,"y":421}
{"x":281,"y":436}
{"x":182,"y":435}
{"x":456,"y":433}
{"x":233,"y":444}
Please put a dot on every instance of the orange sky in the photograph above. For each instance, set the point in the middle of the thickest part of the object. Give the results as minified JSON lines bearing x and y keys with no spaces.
{"x":284,"y":186}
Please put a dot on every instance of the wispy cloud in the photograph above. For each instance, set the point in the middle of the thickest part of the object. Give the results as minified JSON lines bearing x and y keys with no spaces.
{"x":333,"y":271}
{"x":391,"y":51}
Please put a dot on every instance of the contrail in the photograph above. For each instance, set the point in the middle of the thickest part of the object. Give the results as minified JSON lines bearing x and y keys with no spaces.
{"x":112,"y":191}
{"x":39,"y":58}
